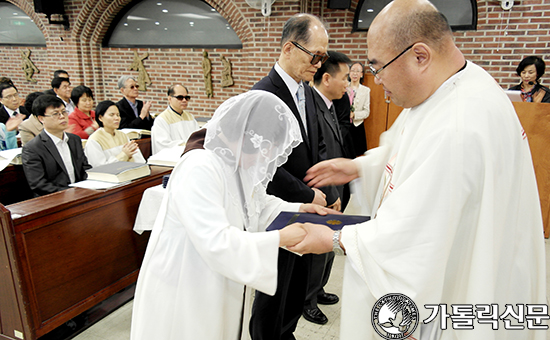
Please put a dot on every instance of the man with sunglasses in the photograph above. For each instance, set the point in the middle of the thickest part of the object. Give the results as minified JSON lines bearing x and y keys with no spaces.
{"x":134,"y":114}
{"x":451,"y":191}
{"x":174,"y":125}
{"x":53,"y":159}
{"x":303,"y":50}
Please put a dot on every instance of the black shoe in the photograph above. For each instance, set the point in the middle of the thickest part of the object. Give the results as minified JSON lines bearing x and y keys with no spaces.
{"x":315,"y":315}
{"x":327,"y":299}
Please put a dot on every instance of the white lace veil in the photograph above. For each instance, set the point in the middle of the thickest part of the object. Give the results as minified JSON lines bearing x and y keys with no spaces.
{"x":253,"y":133}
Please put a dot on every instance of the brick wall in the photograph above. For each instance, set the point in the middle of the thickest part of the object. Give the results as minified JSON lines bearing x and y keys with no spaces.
{"x":502,"y":39}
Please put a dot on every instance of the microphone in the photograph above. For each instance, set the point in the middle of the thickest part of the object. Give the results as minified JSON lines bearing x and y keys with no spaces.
{"x":531,"y":83}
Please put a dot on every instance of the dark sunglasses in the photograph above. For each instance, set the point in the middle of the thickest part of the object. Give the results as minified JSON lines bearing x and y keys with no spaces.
{"x":133,"y":87}
{"x":180,"y":98}
{"x":315,"y":58}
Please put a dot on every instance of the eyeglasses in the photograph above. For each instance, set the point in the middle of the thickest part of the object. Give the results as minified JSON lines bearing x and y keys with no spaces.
{"x":375,"y":72}
{"x":315,"y":58}
{"x":180,"y":98}
{"x":11,"y":96}
{"x":133,"y":87}
{"x":56,"y":114}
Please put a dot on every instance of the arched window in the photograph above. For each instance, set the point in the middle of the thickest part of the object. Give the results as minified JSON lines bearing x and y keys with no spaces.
{"x":16,"y":28}
{"x":170,"y":23}
{"x":461,"y":14}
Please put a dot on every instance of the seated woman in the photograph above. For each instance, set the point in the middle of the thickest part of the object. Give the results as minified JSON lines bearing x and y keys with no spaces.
{"x":7,"y":138}
{"x":107,"y":144}
{"x":207,"y":248}
{"x":82,"y":120}
{"x":530,"y":69}
{"x":8,"y":132}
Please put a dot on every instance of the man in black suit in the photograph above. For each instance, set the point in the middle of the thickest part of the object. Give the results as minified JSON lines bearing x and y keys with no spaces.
{"x":303,"y":49}
{"x":11,"y":108}
{"x":133,"y":112}
{"x":53,"y":159}
{"x":330,"y":83}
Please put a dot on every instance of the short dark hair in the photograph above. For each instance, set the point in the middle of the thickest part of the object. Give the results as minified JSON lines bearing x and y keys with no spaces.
{"x":331,"y":66}
{"x":5,"y":86}
{"x":79,"y":91}
{"x":6,"y":80}
{"x":45,"y":101}
{"x":100,"y":110}
{"x":171,"y":91}
{"x":29,"y":100}
{"x":297,"y":28}
{"x":56,"y":82}
{"x":56,"y":73}
{"x":532,"y":60}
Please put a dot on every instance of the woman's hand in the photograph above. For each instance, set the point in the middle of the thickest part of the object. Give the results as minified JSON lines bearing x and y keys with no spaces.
{"x":130,"y":148}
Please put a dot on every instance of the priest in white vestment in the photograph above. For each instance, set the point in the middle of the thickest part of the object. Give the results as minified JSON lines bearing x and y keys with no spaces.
{"x":451,"y":192}
{"x":174,"y":125}
{"x":107,"y":144}
{"x":207,"y":247}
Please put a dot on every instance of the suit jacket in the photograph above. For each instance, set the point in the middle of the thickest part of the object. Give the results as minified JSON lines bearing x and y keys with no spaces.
{"x":4,"y":116}
{"x":128,"y":118}
{"x":29,"y":128}
{"x":336,"y":147}
{"x":44,"y":168}
{"x":288,"y":181}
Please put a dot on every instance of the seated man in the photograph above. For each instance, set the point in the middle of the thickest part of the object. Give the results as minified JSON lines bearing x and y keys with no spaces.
{"x":54,"y":159}
{"x":62,"y":88}
{"x":31,"y":127}
{"x":134,"y":113}
{"x":173,"y":126}
{"x":9,"y":97}
{"x":57,"y":74}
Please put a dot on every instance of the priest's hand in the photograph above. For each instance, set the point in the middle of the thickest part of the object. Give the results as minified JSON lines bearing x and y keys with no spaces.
{"x":317,"y":241}
{"x":291,"y":235}
{"x":335,"y":171}
{"x":317,"y":209}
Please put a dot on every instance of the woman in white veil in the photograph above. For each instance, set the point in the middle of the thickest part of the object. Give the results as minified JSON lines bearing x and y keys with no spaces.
{"x":206,"y":251}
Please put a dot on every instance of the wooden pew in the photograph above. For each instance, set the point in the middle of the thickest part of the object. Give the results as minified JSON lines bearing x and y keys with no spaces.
{"x":63,"y":253}
{"x":14,"y":187}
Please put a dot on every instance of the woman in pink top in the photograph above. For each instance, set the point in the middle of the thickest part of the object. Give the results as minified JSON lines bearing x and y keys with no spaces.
{"x":82,"y":119}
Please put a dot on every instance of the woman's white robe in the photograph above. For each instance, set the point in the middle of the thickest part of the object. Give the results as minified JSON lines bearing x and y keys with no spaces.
{"x":461,"y":220}
{"x":199,"y":258}
{"x":103,"y":148}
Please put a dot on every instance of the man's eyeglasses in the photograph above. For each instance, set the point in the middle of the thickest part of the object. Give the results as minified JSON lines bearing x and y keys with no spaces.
{"x":375,"y":71}
{"x":180,"y":98}
{"x":56,"y":114}
{"x":12,"y":96}
{"x":131,"y":87}
{"x":315,"y":58}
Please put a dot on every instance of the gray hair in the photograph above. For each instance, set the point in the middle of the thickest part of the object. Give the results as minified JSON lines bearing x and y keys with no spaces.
{"x":123,"y":79}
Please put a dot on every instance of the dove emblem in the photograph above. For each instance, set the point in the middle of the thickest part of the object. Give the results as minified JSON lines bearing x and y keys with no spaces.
{"x":394,"y":316}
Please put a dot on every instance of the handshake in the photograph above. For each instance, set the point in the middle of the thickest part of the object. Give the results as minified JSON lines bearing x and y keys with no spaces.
{"x":308,"y":238}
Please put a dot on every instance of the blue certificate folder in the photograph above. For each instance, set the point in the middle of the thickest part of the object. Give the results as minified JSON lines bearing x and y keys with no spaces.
{"x":334,"y":221}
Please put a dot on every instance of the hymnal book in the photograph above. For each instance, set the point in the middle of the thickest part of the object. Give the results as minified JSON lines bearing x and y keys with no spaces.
{"x":119,"y":172}
{"x":167,"y":157}
{"x":334,"y":221}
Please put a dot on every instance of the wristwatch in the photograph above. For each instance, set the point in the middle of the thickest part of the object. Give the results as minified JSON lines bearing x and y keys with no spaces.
{"x":336,"y":243}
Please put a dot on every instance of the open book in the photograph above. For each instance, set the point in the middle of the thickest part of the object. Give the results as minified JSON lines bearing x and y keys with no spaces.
{"x":136,"y":133}
{"x":167,"y":157}
{"x":12,"y":156}
{"x":119,"y":172}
